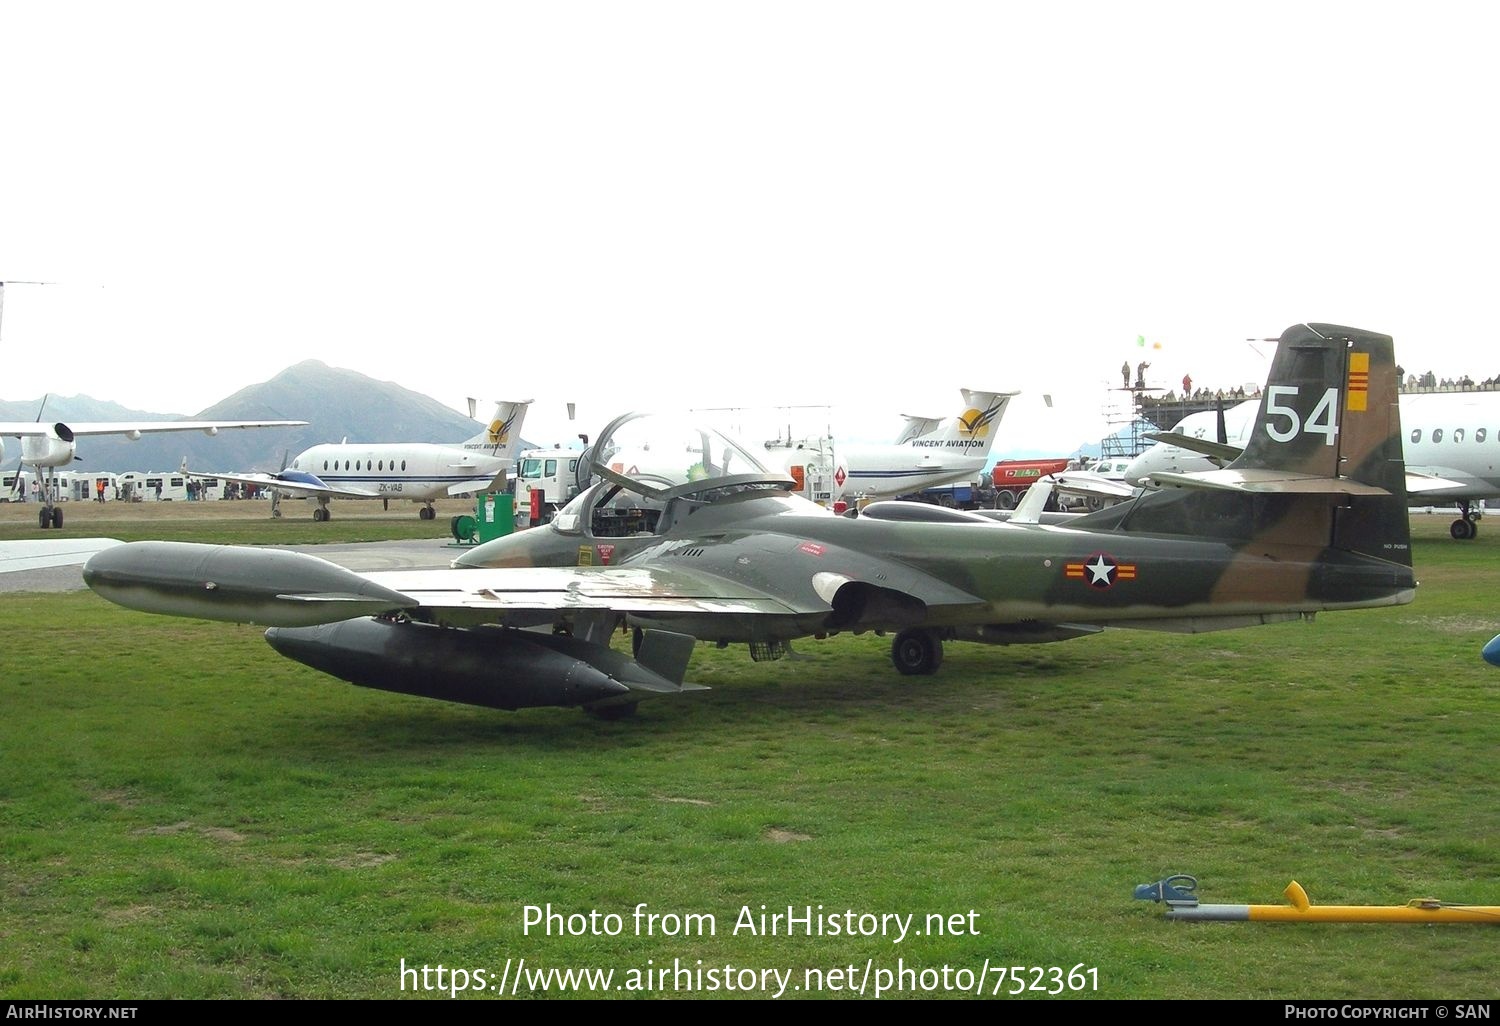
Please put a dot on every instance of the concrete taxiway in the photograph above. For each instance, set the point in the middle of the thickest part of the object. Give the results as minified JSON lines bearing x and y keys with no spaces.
{"x":422,"y":554}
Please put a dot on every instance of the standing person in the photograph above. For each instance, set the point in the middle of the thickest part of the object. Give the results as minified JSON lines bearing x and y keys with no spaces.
{"x":99,"y":489}
{"x":1125,"y":373}
{"x":1187,"y":385}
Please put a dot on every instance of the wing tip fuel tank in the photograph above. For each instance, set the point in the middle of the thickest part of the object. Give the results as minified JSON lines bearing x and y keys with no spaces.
{"x":239,"y":584}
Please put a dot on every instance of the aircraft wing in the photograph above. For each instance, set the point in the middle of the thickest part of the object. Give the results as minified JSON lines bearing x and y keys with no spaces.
{"x":643,"y":590}
{"x":280,"y":588}
{"x":302,"y":486}
{"x":37,"y":555}
{"x":136,"y":428}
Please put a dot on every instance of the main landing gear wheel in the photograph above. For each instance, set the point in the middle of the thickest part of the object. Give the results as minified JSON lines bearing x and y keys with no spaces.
{"x":321,"y":513}
{"x":917,"y":652}
{"x":426,"y":513}
{"x":44,"y":518}
{"x":1467,"y":524}
{"x":57,"y":517}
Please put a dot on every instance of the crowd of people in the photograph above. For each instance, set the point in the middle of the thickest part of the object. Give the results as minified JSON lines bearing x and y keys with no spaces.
{"x":1408,"y":383}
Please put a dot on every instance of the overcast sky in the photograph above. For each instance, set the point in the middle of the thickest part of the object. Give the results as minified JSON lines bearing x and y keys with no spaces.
{"x":639,"y":205}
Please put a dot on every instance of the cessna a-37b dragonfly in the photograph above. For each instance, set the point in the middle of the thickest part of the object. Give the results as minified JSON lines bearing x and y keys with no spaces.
{"x":1311,"y":517}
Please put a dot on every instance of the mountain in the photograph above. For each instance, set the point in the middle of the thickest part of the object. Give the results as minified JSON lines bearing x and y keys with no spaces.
{"x":336,"y":403}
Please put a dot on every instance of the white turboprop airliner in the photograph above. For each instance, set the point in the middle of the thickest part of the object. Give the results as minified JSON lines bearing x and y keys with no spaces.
{"x":405,"y":471}
{"x":930,"y":451}
{"x":1450,"y":436}
{"x":49,"y":446}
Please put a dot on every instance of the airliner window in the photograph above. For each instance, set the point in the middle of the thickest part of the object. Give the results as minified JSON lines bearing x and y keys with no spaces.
{"x":1458,"y":434}
{"x":1479,"y":435}
{"x":403,"y":464}
{"x":1416,"y":435}
{"x":382,"y":465}
{"x":1437,"y":434}
{"x":325,"y":464}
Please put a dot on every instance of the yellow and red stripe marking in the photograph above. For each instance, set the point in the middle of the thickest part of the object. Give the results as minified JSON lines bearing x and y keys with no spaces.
{"x":1357,"y":394}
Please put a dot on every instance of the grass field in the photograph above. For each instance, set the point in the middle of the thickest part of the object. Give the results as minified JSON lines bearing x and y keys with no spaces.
{"x":185,"y":814}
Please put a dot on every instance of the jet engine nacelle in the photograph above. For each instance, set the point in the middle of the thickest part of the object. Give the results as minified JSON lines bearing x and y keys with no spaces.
{"x":57,"y":448}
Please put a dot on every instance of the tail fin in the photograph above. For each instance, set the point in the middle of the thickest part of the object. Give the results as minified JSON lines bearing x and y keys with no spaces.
{"x":504,"y":432}
{"x":1323,"y":465}
{"x":972,"y":432}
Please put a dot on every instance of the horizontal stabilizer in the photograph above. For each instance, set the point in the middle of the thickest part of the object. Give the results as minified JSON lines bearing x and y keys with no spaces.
{"x":1419,"y":483}
{"x":1203,"y":446}
{"x":1265,"y":481}
{"x":1083,"y":482}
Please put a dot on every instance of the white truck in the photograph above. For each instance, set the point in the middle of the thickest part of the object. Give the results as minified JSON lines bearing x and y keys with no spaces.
{"x":545,"y":480}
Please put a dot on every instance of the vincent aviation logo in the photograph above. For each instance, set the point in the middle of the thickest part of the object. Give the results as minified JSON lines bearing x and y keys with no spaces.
{"x":1100,"y":571}
{"x":975,"y":424}
{"x":500,"y":430}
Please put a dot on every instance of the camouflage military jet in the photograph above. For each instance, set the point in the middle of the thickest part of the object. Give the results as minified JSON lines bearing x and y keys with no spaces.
{"x":1310,"y":517}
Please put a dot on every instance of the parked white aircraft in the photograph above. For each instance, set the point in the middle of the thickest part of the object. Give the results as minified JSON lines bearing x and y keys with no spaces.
{"x":47,"y":446}
{"x":55,"y":445}
{"x":1453,"y":437}
{"x":929,"y":451}
{"x":412,"y":471}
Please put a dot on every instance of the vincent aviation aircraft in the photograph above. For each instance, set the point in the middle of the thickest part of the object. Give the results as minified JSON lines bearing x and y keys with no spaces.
{"x":1310,"y":517}
{"x":1450,"y":452}
{"x":411,"y":471}
{"x":929,"y":451}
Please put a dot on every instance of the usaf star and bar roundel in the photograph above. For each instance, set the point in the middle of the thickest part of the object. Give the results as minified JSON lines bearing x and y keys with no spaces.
{"x":1100,"y":570}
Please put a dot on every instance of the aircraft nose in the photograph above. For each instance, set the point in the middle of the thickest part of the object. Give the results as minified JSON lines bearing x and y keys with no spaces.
{"x":1140,"y":468}
{"x":523,"y":548}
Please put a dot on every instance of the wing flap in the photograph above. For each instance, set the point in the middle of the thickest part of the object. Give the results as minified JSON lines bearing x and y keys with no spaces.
{"x":624,"y":589}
